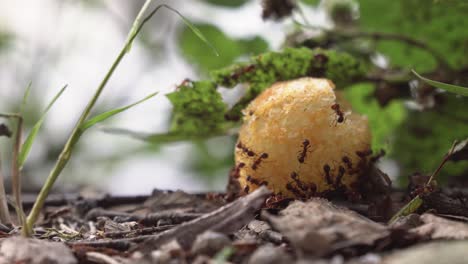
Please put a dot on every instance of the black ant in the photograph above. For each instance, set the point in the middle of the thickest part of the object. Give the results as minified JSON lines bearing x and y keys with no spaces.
{"x":246,"y":150}
{"x":346,"y":160}
{"x":305,"y":147}
{"x":259,"y":160}
{"x":339,"y":113}
{"x":341,"y":172}
{"x":328,"y":178}
{"x":246,"y":189}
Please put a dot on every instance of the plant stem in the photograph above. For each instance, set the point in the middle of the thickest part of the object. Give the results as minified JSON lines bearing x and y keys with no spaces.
{"x":5,"y":217}
{"x":77,"y":131}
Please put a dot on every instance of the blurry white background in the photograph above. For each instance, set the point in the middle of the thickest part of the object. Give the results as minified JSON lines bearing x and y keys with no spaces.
{"x":74,"y":42}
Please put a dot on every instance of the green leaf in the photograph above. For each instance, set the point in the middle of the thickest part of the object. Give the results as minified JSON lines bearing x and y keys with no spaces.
{"x":27,"y":145}
{"x":444,"y":86}
{"x":104,"y":116}
{"x":408,"y":209}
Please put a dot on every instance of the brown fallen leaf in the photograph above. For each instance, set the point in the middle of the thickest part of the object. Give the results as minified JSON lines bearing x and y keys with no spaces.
{"x":437,"y":227}
{"x":317,"y":227}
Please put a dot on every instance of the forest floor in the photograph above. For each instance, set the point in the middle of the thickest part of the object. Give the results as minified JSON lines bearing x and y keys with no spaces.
{"x":177,"y":227}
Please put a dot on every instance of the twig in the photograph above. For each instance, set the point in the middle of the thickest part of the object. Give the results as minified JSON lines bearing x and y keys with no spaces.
{"x":225,"y":220}
{"x":149,"y":219}
{"x":100,"y":258}
{"x":396,"y":37}
{"x":138,"y":232}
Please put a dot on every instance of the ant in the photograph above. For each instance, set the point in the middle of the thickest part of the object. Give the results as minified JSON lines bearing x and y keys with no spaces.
{"x":246,"y":189}
{"x":346,"y":160}
{"x":236,"y":75}
{"x":339,"y":113}
{"x":185,"y":82}
{"x":305,"y":147}
{"x":253,"y":181}
{"x":363,"y":154}
{"x":246,"y":150}
{"x":237,"y":169}
{"x":378,"y":156}
{"x":298,"y":182}
{"x":328,"y":178}
{"x":257,"y":162}
{"x":294,"y":190}
{"x":341,"y":172}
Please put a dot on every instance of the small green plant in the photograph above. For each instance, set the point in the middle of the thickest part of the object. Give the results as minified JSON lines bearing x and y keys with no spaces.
{"x":21,"y":151}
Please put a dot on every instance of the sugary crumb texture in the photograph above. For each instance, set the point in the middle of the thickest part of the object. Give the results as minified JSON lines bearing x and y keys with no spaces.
{"x":300,"y":139}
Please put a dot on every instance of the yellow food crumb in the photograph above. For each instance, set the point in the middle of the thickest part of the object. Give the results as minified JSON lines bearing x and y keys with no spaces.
{"x":299,"y":140}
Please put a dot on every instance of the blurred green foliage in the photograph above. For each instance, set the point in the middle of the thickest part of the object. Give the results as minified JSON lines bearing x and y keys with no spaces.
{"x":229,"y":48}
{"x":441,"y":25}
{"x":227,"y":3}
{"x":382,"y":120}
{"x":5,"y":40}
{"x":421,"y":141}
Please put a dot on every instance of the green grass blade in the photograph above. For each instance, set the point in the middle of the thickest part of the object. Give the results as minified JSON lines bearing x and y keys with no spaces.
{"x":25,"y":97}
{"x":27,"y":145}
{"x":134,"y":30}
{"x":408,"y":209}
{"x":444,"y":86}
{"x":137,"y":28}
{"x":104,"y":116}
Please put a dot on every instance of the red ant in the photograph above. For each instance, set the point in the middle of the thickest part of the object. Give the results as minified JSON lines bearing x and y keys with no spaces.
{"x":346,"y":160}
{"x":363,"y":154}
{"x":246,"y":150}
{"x":378,"y":156}
{"x":328,"y":178}
{"x":241,"y":71}
{"x":253,"y":181}
{"x":339,"y":113}
{"x":185,"y":82}
{"x":305,"y":147}
{"x":298,"y":182}
{"x":237,"y":169}
{"x":294,"y":190}
{"x":341,"y":172}
{"x":259,"y":160}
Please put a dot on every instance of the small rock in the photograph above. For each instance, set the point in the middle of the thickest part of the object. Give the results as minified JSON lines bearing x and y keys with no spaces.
{"x":166,"y":252}
{"x":258,"y":226}
{"x":34,"y":251}
{"x":209,"y":243}
{"x":269,"y":254}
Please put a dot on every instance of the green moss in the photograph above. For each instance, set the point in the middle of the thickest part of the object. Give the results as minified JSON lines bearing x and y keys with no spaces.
{"x":291,"y":63}
{"x":198,"y":109}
